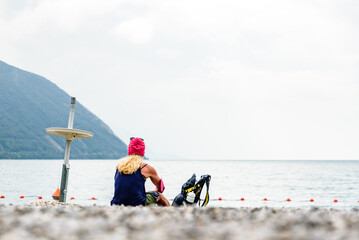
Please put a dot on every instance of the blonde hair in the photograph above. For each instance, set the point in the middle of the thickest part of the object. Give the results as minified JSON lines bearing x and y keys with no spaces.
{"x":129,"y":164}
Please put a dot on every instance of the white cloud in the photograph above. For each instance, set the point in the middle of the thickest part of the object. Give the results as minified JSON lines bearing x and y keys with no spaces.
{"x":137,"y":31}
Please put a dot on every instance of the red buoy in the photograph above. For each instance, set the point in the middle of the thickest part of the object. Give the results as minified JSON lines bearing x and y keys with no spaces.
{"x":335,"y":200}
{"x":72,"y":198}
{"x":2,"y":196}
{"x":265,"y":199}
{"x":288,"y":199}
{"x":312,"y":200}
{"x":219,"y":199}
{"x":21,"y":196}
{"x":56,"y":194}
{"x":40,"y":197}
{"x":93,"y":198}
{"x":242,"y":199}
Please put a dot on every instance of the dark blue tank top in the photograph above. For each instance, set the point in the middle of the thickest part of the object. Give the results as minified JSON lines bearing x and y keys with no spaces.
{"x":129,"y":189}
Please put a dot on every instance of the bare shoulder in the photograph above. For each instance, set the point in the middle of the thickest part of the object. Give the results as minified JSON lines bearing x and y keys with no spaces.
{"x":147,"y":167}
{"x":147,"y":170}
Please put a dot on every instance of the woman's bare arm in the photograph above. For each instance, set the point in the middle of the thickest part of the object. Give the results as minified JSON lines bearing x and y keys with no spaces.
{"x":150,"y":172}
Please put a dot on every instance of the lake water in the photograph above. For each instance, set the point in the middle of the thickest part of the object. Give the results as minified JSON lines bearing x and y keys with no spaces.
{"x":300,"y":181}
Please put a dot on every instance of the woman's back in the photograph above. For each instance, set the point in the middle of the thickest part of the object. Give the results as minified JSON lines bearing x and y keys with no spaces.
{"x":129,"y":189}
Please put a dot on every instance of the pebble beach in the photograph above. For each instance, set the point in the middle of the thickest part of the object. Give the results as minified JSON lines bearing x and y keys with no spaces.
{"x":51,"y":220}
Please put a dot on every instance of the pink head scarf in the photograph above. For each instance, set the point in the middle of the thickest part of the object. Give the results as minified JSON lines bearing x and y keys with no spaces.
{"x":136,"y":146}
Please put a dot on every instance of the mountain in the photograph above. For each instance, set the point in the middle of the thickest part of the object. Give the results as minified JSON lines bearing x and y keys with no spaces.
{"x":30,"y":103}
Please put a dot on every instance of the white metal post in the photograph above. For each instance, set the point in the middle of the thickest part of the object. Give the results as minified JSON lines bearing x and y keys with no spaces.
{"x":66,"y":164}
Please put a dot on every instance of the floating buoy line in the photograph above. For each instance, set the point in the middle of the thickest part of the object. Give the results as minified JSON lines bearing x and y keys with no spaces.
{"x":40,"y":197}
{"x":56,"y":194}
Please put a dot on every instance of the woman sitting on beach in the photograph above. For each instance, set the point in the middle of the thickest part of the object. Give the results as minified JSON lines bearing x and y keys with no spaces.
{"x":130,"y":178}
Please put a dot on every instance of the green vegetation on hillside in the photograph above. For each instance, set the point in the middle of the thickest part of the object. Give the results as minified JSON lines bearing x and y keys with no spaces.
{"x":30,"y":103}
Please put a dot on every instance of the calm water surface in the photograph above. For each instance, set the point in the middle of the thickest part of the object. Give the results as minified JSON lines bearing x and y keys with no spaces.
{"x":300,"y":181}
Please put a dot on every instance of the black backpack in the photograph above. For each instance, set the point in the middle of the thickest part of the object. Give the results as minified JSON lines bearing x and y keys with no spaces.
{"x":196,"y":187}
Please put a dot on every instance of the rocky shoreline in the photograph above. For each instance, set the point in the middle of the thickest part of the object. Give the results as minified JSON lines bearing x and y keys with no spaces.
{"x":48,"y":220}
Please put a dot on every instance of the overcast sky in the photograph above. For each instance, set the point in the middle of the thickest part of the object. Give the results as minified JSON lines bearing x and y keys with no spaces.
{"x":202,"y":79}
